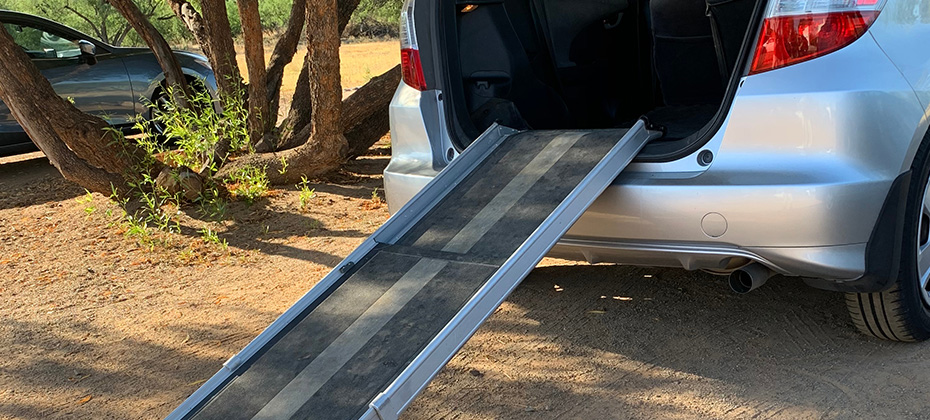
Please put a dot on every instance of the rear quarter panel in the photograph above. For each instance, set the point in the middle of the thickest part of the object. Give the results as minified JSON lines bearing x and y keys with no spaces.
{"x":902,"y":31}
{"x":146,"y":76}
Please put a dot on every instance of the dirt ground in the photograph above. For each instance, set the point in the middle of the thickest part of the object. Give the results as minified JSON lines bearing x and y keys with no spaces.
{"x":97,"y":325}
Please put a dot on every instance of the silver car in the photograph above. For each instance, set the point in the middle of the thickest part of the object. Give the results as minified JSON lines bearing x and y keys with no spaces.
{"x":113,"y":83}
{"x":795,"y":132}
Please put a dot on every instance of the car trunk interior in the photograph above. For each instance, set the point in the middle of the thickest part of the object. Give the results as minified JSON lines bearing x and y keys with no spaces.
{"x":595,"y":64}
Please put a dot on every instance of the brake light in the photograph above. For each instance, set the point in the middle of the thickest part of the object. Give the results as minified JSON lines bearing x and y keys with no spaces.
{"x":412,"y":68}
{"x":409,"y":50}
{"x":795,"y":31}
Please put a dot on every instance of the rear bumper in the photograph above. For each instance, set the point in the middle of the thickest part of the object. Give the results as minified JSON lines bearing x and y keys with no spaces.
{"x":803,"y":165}
{"x":660,"y":224}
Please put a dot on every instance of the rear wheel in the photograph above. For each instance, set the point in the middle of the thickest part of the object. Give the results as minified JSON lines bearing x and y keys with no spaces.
{"x":160,"y":104}
{"x":902,"y":313}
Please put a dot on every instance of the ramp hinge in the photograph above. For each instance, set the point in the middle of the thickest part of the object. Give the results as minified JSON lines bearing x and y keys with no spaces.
{"x":233,"y":362}
{"x":376,"y":404}
{"x":345,"y":268}
{"x":651,"y":126}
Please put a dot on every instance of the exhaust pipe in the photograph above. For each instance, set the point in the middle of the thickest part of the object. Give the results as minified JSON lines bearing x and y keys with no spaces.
{"x":749,"y":278}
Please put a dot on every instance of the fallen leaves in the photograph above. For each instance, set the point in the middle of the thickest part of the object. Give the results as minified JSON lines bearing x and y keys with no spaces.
{"x":373,"y":204}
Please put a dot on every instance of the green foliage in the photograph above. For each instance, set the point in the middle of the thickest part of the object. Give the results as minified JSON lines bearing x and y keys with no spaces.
{"x":137,"y":228}
{"x":87,"y":200}
{"x":194,"y":131}
{"x":283,"y":169}
{"x":375,"y":19}
{"x":152,"y":217}
{"x":212,"y":204}
{"x":157,"y":204}
{"x":274,"y":15}
{"x":386,"y":11}
{"x":102,"y":21}
{"x":249,"y":183}
{"x":211,"y":237}
{"x":306,"y":193}
{"x":186,"y":137}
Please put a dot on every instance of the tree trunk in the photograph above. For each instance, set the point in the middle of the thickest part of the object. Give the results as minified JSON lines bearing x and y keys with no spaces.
{"x":259,"y":115}
{"x":346,"y":9}
{"x":156,"y":42}
{"x":323,"y":42}
{"x":283,"y":54}
{"x":365,"y":113}
{"x":301,"y":108}
{"x":218,"y":35}
{"x":327,"y":148}
{"x":298,"y":117}
{"x":194,"y":23}
{"x":218,"y":40}
{"x":76,"y":143}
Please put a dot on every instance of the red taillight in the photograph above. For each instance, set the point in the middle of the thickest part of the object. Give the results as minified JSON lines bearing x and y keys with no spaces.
{"x":791,"y":39}
{"x":409,"y":51}
{"x":412,"y":68}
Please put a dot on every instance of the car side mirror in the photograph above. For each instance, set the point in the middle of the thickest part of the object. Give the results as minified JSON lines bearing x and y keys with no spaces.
{"x":88,"y":52}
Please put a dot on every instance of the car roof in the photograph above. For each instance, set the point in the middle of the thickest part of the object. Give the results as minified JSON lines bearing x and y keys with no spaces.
{"x":10,"y":16}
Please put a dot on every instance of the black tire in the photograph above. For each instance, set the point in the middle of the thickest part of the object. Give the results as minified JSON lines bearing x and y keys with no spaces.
{"x":159,"y":100}
{"x":902,"y":312}
{"x":155,"y":127}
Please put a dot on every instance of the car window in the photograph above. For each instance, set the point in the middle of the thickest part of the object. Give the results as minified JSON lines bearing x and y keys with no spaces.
{"x":41,"y":44}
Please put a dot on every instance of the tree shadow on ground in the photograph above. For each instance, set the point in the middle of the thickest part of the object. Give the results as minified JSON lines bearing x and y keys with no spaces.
{"x":33,"y":180}
{"x":123,"y":376}
{"x":30,"y":179}
{"x":623,"y":342}
{"x":250,"y":236}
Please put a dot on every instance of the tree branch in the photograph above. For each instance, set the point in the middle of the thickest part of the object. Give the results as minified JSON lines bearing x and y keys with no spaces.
{"x":76,"y":143}
{"x":283,"y":53}
{"x":326,"y":149}
{"x":365,"y":113}
{"x":156,"y":42}
{"x":121,"y":36}
{"x":88,"y":20}
{"x":193,"y":22}
{"x":301,"y":109}
{"x":259,"y":114}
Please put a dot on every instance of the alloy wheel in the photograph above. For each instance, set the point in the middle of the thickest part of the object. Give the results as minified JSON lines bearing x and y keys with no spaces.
{"x":923,"y":247}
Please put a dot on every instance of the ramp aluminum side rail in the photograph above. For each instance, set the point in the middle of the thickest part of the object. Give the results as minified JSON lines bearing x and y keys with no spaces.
{"x":392,"y":400}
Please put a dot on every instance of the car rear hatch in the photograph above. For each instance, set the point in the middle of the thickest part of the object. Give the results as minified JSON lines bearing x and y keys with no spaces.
{"x":582,"y":65}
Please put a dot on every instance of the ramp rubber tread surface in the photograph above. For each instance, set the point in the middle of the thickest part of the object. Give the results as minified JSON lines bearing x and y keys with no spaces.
{"x":461,"y":206}
{"x":332,"y":360}
{"x":375,"y":364}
